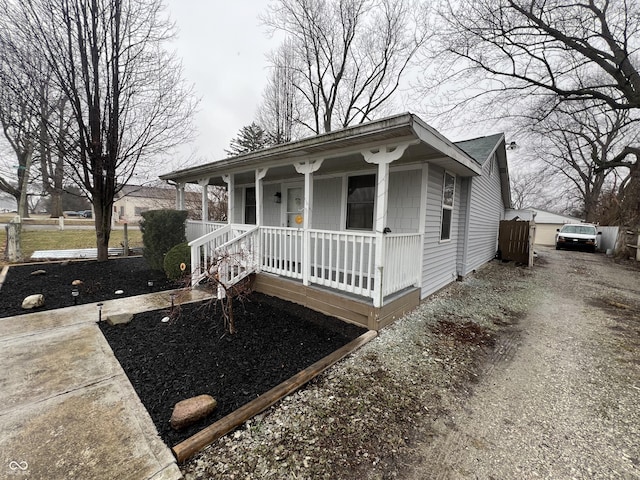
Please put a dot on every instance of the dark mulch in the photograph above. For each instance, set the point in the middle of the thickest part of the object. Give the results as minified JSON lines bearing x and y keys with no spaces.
{"x":192,"y":355}
{"x":101,"y":280}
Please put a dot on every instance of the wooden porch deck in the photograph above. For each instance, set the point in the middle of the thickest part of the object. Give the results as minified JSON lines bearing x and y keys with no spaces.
{"x":359,"y":311}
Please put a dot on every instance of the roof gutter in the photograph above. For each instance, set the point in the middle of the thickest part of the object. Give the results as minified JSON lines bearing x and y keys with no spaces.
{"x":329,"y":144}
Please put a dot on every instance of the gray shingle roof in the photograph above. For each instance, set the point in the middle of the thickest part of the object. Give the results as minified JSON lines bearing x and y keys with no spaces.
{"x":480,"y":148}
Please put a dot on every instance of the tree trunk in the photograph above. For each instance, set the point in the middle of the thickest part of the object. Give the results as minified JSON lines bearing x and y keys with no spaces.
{"x":23,"y":183}
{"x":103,"y":227}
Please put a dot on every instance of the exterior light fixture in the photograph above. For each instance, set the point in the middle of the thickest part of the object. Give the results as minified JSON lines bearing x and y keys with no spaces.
{"x":100,"y":312}
{"x":277,"y":197}
{"x":150,"y":284}
{"x":173,"y":298}
{"x":74,"y":293}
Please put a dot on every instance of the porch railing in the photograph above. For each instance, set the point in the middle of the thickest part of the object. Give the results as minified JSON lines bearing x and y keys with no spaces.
{"x":343,"y":260}
{"x":281,"y":251}
{"x":198,"y":228}
{"x":402,"y":262}
{"x":203,"y":249}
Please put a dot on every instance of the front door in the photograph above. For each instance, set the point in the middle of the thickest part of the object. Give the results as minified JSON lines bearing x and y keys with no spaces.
{"x":295,"y":207}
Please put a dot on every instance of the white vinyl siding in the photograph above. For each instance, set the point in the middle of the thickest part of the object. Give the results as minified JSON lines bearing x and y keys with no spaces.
{"x":403,"y":208}
{"x":486,"y":211}
{"x":271,"y":209}
{"x":327,"y":204}
{"x":439,"y":258}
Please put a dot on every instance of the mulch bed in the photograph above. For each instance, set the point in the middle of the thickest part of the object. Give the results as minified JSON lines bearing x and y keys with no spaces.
{"x":192,"y":354}
{"x":101,"y":281}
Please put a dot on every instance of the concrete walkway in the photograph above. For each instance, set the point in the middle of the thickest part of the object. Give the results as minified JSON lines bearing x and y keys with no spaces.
{"x":67,"y":409}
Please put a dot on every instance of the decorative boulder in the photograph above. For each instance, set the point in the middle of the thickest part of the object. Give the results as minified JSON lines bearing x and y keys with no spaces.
{"x":119,"y":318}
{"x":77,"y":283}
{"x":33,"y":301}
{"x":189,"y":411}
{"x":38,"y":272}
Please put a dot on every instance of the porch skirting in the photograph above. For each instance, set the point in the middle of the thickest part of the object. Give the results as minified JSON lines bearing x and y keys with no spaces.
{"x":358,"y":311}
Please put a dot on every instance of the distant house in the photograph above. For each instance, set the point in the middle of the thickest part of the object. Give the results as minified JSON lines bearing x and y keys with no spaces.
{"x":360,"y":223}
{"x":132,"y":200}
{"x":547,"y":223}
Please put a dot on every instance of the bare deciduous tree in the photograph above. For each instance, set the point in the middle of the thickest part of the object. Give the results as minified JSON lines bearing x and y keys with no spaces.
{"x":583,"y":143}
{"x":278,"y":112}
{"x":348,"y":55}
{"x":584,"y":50}
{"x":125,"y":92}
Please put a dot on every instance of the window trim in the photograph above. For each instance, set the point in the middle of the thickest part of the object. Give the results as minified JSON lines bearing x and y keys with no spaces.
{"x":447,"y":207}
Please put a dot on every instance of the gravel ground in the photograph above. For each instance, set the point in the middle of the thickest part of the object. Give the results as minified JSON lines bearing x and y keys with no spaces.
{"x":514,"y":373}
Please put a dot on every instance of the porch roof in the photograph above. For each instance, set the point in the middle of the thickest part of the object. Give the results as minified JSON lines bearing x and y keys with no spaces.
{"x":341,"y":151}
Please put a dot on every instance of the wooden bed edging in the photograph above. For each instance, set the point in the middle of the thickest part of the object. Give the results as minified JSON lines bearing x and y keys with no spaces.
{"x":192,"y":445}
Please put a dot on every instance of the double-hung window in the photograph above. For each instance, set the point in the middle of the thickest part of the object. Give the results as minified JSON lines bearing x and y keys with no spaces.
{"x":250,"y":206}
{"x":361,"y":194}
{"x":448,"y":194}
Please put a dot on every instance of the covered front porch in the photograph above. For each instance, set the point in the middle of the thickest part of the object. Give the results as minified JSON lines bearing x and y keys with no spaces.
{"x":340,"y":214}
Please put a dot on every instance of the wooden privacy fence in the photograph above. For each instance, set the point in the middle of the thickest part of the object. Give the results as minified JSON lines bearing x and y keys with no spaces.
{"x":515,"y":241}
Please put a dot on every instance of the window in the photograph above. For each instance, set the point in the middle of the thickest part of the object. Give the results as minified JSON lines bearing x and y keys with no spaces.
{"x":250,"y":205}
{"x":448,"y":193}
{"x":361,"y":194}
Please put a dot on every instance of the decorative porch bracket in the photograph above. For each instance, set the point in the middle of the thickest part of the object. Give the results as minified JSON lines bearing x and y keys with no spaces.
{"x":231,"y":196}
{"x":204,"y":183}
{"x":382,"y":156}
{"x":307,"y":168}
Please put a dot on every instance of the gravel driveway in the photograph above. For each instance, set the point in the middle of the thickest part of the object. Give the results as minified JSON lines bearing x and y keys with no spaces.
{"x":566,"y":404}
{"x":514,"y":373}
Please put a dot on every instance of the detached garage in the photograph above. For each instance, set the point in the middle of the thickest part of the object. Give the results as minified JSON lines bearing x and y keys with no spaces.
{"x":547,"y":223}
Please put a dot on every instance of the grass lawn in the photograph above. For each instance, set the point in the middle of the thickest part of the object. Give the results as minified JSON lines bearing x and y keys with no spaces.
{"x":33,"y":240}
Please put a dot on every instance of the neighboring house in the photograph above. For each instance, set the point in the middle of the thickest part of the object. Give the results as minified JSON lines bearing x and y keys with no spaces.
{"x":132,"y":200}
{"x":547,"y":223}
{"x":360,"y":223}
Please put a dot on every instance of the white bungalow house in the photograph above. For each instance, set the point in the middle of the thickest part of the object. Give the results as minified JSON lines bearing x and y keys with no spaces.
{"x":360,"y":223}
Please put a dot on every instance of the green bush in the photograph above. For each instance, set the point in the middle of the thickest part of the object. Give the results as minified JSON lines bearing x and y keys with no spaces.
{"x":179,"y":254}
{"x":161,"y":231}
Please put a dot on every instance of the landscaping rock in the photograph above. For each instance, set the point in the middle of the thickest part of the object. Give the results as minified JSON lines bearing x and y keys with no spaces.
{"x":77,"y":283}
{"x":33,"y":301}
{"x":38,"y":272}
{"x":119,"y":318}
{"x":189,"y":411}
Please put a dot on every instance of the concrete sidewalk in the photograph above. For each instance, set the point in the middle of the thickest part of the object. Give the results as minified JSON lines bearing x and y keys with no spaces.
{"x":67,"y":409}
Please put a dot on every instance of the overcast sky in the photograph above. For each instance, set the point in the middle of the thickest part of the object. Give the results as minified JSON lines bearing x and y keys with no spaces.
{"x":223,"y":48}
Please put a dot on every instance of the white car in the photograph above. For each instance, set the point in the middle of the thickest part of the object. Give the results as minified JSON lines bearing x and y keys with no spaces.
{"x":578,"y":235}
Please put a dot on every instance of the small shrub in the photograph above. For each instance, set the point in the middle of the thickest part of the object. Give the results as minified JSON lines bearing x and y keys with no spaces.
{"x":161,"y":230}
{"x":179,"y":254}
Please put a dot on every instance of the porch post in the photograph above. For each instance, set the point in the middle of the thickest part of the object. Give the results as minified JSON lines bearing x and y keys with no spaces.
{"x":382,"y":157}
{"x":307,"y":168}
{"x":231,"y":197}
{"x":257,"y":250}
{"x":260,"y":174}
{"x":204,"y":183}
{"x":179,"y":196}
